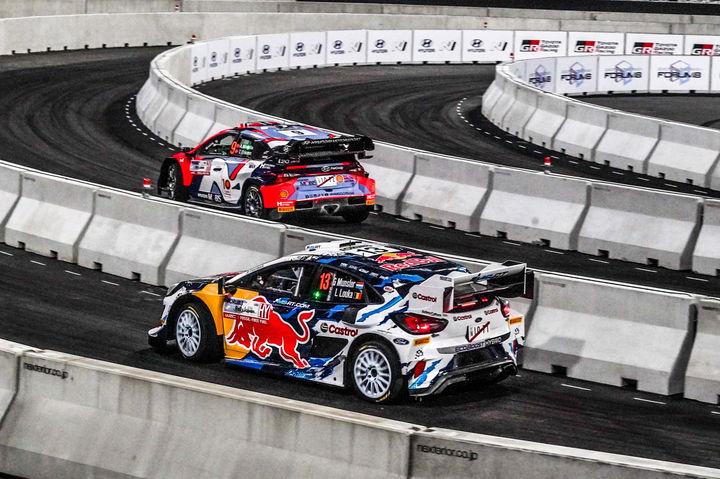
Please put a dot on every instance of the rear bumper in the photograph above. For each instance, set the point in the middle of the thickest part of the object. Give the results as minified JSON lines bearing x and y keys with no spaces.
{"x":325,"y":206}
{"x":464,"y":374}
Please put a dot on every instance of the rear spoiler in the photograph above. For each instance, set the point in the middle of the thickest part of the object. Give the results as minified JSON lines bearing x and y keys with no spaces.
{"x":343,"y":145}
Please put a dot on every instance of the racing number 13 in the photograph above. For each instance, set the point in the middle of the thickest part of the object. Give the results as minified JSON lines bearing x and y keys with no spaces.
{"x":325,"y":281}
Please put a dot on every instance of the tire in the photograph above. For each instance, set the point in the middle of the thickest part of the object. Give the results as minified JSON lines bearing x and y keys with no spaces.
{"x":375,"y":373}
{"x":176,"y":189}
{"x":195,"y":334}
{"x":356,"y":215}
{"x":253,"y":203}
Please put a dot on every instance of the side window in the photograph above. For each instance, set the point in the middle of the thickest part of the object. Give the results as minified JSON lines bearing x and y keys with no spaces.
{"x":223,"y":145}
{"x":245,"y":148}
{"x":335,"y":286}
{"x":284,"y":280}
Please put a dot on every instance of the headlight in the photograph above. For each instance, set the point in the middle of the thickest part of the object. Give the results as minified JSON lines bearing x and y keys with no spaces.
{"x":174,"y":288}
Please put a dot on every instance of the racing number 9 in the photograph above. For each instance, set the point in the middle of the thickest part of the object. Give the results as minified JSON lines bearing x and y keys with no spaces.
{"x":234,"y":148}
{"x":325,"y":281}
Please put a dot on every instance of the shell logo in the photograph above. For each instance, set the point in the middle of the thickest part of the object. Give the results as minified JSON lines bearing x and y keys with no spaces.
{"x":283,"y":194}
{"x":339,"y":178}
{"x":227,"y":184}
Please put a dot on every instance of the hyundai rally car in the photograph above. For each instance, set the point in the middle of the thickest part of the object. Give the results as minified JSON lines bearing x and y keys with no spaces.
{"x":384,"y":320}
{"x":268,"y":169}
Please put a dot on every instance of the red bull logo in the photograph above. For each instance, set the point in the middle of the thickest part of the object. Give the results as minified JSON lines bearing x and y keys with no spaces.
{"x":258,"y":328}
{"x":394,"y":256}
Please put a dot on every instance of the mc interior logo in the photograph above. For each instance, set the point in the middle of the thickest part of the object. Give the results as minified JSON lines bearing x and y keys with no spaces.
{"x":576,"y":75}
{"x":540,"y":77}
{"x":623,"y":72}
{"x":680,"y":72}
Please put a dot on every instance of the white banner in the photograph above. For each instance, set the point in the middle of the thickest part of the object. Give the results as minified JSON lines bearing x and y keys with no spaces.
{"x":437,"y":46}
{"x":487,"y":45}
{"x":218,"y":65}
{"x":198,"y":63}
{"x":346,"y":47}
{"x":537,"y":44}
{"x":623,"y":73}
{"x":576,"y":74}
{"x":540,"y":73}
{"x":272,"y":51}
{"x":680,"y":73}
{"x":307,"y":49}
{"x":653,"y":44}
{"x":596,"y":43}
{"x":389,"y":46}
{"x":518,"y":69}
{"x":242,"y":55}
{"x":715,"y":70}
{"x":702,"y":45}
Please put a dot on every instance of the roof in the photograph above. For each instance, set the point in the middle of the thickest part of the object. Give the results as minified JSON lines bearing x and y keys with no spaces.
{"x":283,"y":131}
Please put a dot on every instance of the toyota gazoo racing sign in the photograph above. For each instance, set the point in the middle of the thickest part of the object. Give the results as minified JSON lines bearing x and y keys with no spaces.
{"x":307,"y":49}
{"x":437,"y":46}
{"x":576,"y":74}
{"x":702,"y":45}
{"x":273,"y":51}
{"x":346,"y":47}
{"x":540,"y":73}
{"x":537,"y":44}
{"x":680,"y":73}
{"x":653,"y":44}
{"x":487,"y":45}
{"x":623,"y":73}
{"x":242,"y":54}
{"x":596,"y":43}
{"x":389,"y":46}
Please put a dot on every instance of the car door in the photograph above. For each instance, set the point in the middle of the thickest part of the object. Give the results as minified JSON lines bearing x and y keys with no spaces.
{"x":266,"y":320}
{"x":210,"y":163}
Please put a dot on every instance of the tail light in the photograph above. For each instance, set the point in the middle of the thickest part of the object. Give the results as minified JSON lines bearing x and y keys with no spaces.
{"x":279,"y":177}
{"x":419,"y":324}
{"x":357,"y":168}
{"x":505,"y":308}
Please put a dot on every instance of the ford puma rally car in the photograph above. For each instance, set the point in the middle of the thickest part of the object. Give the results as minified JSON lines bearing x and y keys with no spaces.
{"x":385,"y":320}
{"x":267,"y":169}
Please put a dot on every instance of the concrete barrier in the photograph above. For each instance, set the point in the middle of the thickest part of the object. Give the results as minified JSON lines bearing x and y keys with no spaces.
{"x":706,"y":257}
{"x":213,"y":243}
{"x":392,"y":167}
{"x":588,"y":331}
{"x":9,"y":368}
{"x":295,"y":239}
{"x":447,"y":192}
{"x":535,"y":208}
{"x":80,"y":417}
{"x":493,"y":92}
{"x":702,"y":381}
{"x":171,"y":115}
{"x":670,"y":226}
{"x":147,"y":94}
{"x":130,"y":237}
{"x":581,"y":131}
{"x":685,"y":153}
{"x":628,"y":141}
{"x":50,"y":216}
{"x":521,"y":111}
{"x":505,"y":101}
{"x":156,"y":104}
{"x":195,"y":125}
{"x":544,"y":124}
{"x":9,"y":194}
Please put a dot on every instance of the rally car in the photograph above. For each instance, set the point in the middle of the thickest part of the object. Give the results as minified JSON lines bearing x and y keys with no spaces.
{"x":383,"y":319}
{"x":268,"y":169}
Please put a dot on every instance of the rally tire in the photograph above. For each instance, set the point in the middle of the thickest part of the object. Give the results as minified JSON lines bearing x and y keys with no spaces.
{"x":374,"y":372}
{"x":176,"y":189}
{"x":195,"y":334}
{"x":253,"y":203}
{"x":356,"y":216}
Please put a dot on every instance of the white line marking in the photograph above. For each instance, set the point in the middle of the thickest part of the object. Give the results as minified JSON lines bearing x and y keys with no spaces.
{"x":645,"y":269}
{"x":595,"y":167}
{"x":555,"y":157}
{"x":374,"y":213}
{"x":671,"y":186}
{"x":555,"y":252}
{"x":599,"y":260}
{"x":522,"y":146}
{"x":475,"y":235}
{"x":145,"y":133}
{"x":6,"y":253}
{"x":472,"y":125}
{"x":575,"y":387}
{"x":573,"y":162}
{"x":508,"y":141}
{"x":37,"y":262}
{"x":644,"y":179}
{"x":486,"y":132}
{"x":538,"y":152}
{"x":714,"y":412}
{"x":150,"y":293}
{"x":138,"y":129}
{"x":698,"y":191}
{"x":72,"y":272}
{"x":109,"y":282}
{"x":650,"y":401}
{"x":510,"y":242}
{"x":403,"y":220}
{"x":697,"y":279}
{"x":618,"y":173}
{"x":496,"y":137}
{"x":436,"y":227}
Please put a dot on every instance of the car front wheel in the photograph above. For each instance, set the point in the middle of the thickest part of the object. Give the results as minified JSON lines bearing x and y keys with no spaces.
{"x":176,"y":189}
{"x":195,"y":334}
{"x":375,"y":373}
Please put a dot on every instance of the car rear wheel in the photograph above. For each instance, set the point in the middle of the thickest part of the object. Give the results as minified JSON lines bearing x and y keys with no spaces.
{"x":253,"y":203}
{"x":356,"y":215}
{"x":195,"y":334}
{"x":375,"y":373}
{"x":176,"y":189}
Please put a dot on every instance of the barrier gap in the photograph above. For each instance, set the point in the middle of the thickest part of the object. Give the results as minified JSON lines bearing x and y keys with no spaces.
{"x":661,"y":176}
{"x":652,"y":262}
{"x":689,"y":181}
{"x":630,"y":168}
{"x":560,"y":371}
{"x":13,"y":52}
{"x":451,"y":225}
{"x":501,"y":234}
{"x":168,"y":44}
{"x":48,"y":49}
{"x":146,"y":44}
{"x":581,"y":155}
{"x":607,"y":162}
{"x":127,"y":45}
{"x":379,"y":209}
{"x":418,"y":217}
{"x":53,"y":254}
{"x":104,"y":45}
{"x":21,"y":245}
{"x":97,"y":266}
{"x":65,"y":47}
{"x":718,"y":399}
{"x":29,"y":50}
{"x":135,"y":276}
{"x":87,"y":46}
{"x":717,"y":272}
{"x":603,"y":253}
{"x":544,"y":242}
{"x":627,"y":383}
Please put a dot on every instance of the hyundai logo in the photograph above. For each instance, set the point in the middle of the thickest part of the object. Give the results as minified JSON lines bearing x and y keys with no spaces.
{"x":299,"y":46}
{"x":380,"y":43}
{"x":427,"y":43}
{"x":338,"y":44}
{"x":266,"y":49}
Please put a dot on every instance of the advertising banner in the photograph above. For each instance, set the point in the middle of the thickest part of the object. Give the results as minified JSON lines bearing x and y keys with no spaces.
{"x":540,"y":73}
{"x":702,"y":45}
{"x":680,"y":73}
{"x":437,"y":46}
{"x":389,"y":46}
{"x":596,"y":43}
{"x":307,"y":49}
{"x":518,"y":69}
{"x":198,"y":63}
{"x":653,"y":44}
{"x":217,"y":63}
{"x":487,"y":45}
{"x":537,"y":44}
{"x":576,"y":74}
{"x":715,"y":80}
{"x":623,"y":73}
{"x":272,"y":51}
{"x":242,"y":55}
{"x":345,"y":47}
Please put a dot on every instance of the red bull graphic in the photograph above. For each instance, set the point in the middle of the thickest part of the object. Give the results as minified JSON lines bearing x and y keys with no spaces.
{"x":257,"y":327}
{"x":394,"y":256}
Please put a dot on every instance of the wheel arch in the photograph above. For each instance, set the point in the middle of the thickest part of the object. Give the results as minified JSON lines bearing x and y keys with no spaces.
{"x":357,"y":343}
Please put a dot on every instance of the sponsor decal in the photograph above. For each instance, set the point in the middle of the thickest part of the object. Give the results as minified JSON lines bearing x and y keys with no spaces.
{"x":258,"y":328}
{"x":705,"y":49}
{"x":596,"y":46}
{"x":426,"y":46}
{"x":199,"y":167}
{"x":623,"y":72}
{"x":421,"y":341}
{"x":545,"y":46}
{"x":491,"y":311}
{"x":463,"y":317}
{"x":446,"y":451}
{"x":401,"y":341}
{"x":381,"y":46}
{"x":476,"y":330}
{"x":411,"y":262}
{"x":575,"y":75}
{"x":680,"y":72}
{"x":654,"y":48}
{"x":515,"y":320}
{"x":340,"y":330}
{"x":480,"y":345}
{"x":585,"y":46}
{"x":540,"y":77}
{"x":422,"y":297}
{"x":394,"y":256}
{"x":388,"y":289}
{"x":268,"y":53}
{"x":479,"y":46}
{"x":46,"y":370}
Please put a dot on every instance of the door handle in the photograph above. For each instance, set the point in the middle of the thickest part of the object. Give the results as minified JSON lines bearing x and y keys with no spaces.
{"x":217,"y":169}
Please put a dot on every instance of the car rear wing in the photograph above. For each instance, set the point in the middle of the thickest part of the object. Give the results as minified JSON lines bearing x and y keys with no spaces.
{"x":438,"y":294}
{"x":342,"y":145}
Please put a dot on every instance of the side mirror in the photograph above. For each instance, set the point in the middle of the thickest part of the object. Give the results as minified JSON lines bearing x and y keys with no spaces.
{"x":230,"y":289}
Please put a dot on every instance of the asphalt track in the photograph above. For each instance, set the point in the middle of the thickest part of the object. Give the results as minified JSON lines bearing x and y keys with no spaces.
{"x":71,"y":119}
